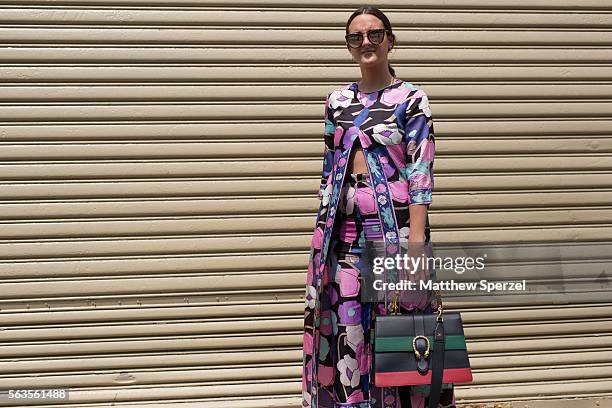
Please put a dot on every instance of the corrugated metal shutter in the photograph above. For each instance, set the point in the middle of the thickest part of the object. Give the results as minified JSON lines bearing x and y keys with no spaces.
{"x":158,"y":187}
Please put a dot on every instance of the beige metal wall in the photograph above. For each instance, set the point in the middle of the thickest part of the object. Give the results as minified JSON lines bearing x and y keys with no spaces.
{"x":158,"y":175}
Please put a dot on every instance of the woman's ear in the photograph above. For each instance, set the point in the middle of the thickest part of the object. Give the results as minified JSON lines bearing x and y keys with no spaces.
{"x":391,"y":42}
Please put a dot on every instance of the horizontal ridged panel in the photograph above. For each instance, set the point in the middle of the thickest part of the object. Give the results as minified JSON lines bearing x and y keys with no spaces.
{"x":143,"y":227}
{"x":209,"y":91}
{"x":237,"y":54}
{"x":162,"y":73}
{"x":269,"y":131}
{"x":182,"y":169}
{"x":54,"y":154}
{"x":158,"y":168}
{"x":281,"y":185}
{"x":300,"y":205}
{"x":203,"y":17}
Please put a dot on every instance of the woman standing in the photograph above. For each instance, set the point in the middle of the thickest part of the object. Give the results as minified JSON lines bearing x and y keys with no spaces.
{"x":376,"y":183}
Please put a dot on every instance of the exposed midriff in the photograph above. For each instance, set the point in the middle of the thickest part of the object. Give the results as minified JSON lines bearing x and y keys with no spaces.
{"x":357,"y":163}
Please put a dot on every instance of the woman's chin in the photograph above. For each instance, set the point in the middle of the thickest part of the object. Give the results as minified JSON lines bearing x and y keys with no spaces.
{"x":369,"y":60}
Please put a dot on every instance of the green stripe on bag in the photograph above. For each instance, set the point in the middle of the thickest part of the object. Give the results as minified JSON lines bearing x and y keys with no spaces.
{"x":451,"y":342}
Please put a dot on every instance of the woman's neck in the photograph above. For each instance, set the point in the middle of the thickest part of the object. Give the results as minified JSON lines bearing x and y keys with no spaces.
{"x":371,"y":82}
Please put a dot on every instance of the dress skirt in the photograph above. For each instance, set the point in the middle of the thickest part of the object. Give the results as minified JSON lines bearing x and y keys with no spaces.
{"x":345,"y":353}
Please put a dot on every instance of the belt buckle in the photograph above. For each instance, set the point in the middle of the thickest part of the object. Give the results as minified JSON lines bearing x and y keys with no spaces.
{"x":417,"y":353}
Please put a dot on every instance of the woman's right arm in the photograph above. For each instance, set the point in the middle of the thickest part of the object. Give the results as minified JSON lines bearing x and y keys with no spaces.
{"x":328,"y":151}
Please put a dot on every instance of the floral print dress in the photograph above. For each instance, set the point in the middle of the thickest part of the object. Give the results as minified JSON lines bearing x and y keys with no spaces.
{"x":395,"y":130}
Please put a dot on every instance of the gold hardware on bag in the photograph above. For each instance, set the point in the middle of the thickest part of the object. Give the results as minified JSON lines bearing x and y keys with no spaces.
{"x":417,"y":353}
{"x":439,"y":304}
{"x":394,"y":306}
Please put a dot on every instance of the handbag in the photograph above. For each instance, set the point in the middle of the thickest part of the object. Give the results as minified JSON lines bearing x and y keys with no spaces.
{"x":420,"y":348}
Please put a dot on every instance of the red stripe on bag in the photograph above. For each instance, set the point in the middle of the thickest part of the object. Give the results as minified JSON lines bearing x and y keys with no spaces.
{"x":449,"y":375}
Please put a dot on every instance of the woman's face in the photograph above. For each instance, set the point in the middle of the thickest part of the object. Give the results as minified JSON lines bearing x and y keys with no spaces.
{"x":369,"y":54}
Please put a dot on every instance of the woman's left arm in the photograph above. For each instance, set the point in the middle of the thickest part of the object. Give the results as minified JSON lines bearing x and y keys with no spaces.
{"x":421,"y":150}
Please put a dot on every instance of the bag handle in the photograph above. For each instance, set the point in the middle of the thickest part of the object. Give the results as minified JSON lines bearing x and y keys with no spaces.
{"x":394,"y":306}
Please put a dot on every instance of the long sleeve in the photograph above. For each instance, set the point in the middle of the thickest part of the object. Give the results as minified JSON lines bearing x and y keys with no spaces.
{"x":420,"y":150}
{"x":328,"y":151}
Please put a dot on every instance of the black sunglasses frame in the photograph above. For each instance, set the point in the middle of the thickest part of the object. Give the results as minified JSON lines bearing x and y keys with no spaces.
{"x":383,"y":30}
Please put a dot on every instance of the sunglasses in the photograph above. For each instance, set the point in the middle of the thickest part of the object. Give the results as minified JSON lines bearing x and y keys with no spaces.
{"x":374,"y":36}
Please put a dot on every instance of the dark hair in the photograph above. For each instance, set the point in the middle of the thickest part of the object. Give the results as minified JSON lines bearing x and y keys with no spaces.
{"x":381,"y":16}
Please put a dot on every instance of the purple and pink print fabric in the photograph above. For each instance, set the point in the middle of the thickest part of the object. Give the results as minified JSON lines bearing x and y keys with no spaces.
{"x":395,"y":130}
